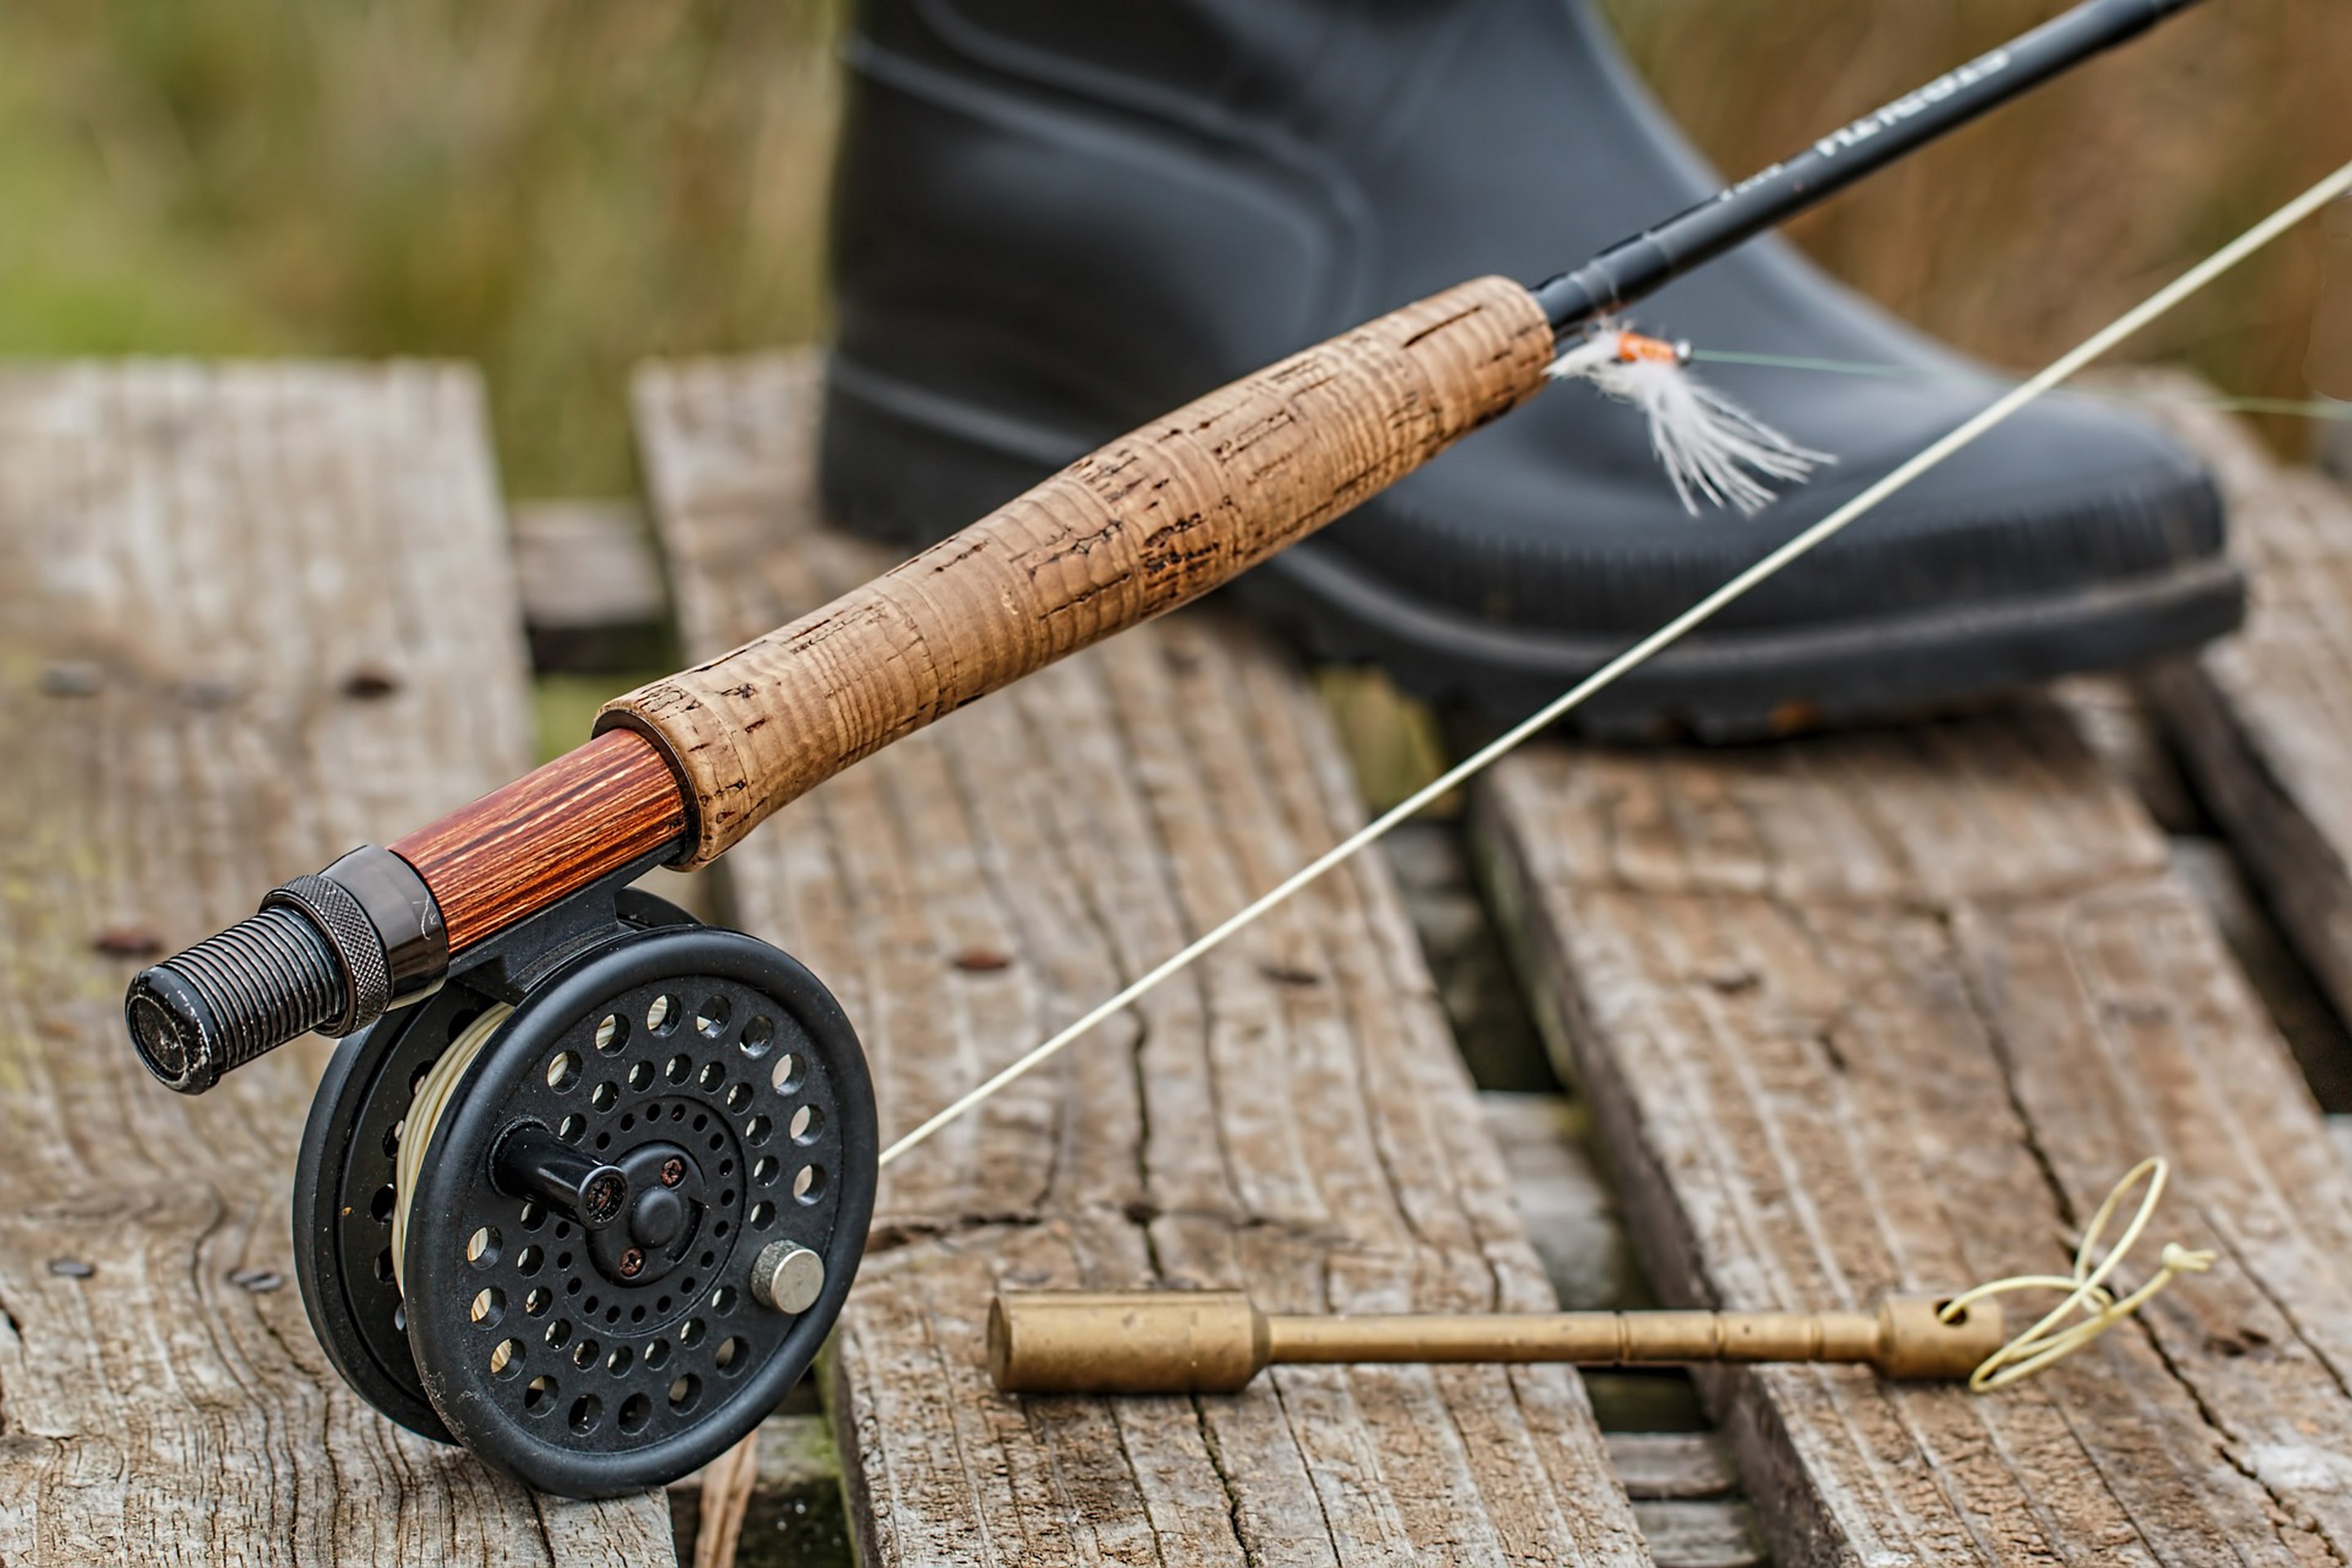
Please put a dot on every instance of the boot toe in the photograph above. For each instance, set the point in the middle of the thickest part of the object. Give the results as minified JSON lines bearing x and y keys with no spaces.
{"x":2074,"y":536}
{"x":1568,"y":525}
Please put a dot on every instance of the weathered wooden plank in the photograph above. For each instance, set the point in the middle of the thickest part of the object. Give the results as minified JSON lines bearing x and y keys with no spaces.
{"x":1895,"y":1010}
{"x":1700,"y":1534}
{"x":2116,"y":720}
{"x":1671,"y":1467}
{"x":249,"y":619}
{"x":590,"y":585}
{"x":2265,"y":718}
{"x":2124,"y":736}
{"x":1292,"y":1115}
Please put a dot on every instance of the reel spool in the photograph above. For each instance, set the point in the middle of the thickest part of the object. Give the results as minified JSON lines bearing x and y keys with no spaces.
{"x":592,"y":1208}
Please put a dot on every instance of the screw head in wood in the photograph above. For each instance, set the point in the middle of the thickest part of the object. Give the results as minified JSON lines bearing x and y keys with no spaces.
{"x":787,"y":1278}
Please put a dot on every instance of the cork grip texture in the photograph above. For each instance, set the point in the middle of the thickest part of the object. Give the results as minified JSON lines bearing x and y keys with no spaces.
{"x":1149,"y":522}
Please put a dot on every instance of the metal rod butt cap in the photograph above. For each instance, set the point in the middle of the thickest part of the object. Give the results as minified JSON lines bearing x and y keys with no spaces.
{"x":331,"y":953}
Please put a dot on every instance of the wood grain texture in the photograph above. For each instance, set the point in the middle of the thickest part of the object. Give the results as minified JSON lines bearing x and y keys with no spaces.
{"x":1290,"y":1116}
{"x":2264,"y":719}
{"x":531,"y":843}
{"x":1896,"y":1010}
{"x":1151,"y":521}
{"x":249,"y":619}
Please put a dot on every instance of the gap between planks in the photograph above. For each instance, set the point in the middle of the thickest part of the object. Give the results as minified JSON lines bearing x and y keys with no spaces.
{"x":2264,"y":720}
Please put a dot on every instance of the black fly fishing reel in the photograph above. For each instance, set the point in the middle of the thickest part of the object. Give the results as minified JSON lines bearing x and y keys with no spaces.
{"x":591,"y":1208}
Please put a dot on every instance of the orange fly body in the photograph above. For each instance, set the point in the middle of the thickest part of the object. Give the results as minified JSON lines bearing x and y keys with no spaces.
{"x":1632,"y":348}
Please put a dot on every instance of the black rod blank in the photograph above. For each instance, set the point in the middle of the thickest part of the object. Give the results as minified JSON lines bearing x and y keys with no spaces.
{"x":1639,"y":267}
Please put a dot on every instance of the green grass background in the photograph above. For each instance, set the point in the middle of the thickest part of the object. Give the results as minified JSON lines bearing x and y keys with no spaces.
{"x":557,"y":188}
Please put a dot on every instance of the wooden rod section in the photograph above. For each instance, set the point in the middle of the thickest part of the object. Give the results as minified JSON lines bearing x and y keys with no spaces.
{"x":1216,"y":1341}
{"x":544,"y":838}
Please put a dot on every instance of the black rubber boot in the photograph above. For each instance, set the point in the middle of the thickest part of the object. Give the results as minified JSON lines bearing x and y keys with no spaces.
{"x":1055,"y":220}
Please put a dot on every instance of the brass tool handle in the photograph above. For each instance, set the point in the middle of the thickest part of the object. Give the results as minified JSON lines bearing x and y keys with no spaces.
{"x":1214,"y":1342}
{"x":1586,"y":1339}
{"x":1152,"y":520}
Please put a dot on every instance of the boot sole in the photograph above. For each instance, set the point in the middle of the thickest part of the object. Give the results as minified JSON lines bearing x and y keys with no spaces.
{"x":897,"y":458}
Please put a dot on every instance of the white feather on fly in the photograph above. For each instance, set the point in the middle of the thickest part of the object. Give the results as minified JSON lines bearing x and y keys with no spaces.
{"x":1710,"y":446}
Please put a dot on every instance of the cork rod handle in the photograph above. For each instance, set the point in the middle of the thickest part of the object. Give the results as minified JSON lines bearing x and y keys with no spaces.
{"x":1152,"y":520}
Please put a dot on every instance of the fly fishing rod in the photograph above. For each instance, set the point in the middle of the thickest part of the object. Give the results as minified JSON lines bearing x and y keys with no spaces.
{"x":587,"y":1189}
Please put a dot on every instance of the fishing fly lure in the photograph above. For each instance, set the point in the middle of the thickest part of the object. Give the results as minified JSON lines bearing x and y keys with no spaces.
{"x":1711,"y":448}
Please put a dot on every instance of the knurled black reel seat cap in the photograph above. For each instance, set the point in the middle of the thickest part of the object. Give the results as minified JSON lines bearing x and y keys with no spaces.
{"x":173,"y":1029}
{"x":331,"y":952}
{"x":232,"y":998}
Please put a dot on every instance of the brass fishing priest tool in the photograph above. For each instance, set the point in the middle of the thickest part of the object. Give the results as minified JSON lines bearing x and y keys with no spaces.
{"x":1216,"y":1341}
{"x":587,"y":1187}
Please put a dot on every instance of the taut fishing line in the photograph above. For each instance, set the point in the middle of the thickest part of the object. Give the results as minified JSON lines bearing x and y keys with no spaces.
{"x":2226,"y":402}
{"x":1795,"y":549}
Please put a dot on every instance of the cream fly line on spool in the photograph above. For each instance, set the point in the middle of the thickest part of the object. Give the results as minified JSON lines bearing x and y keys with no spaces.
{"x":2014,"y":401}
{"x":438,"y":1087}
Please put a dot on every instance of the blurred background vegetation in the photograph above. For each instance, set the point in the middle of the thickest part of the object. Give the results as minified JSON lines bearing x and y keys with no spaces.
{"x":557,"y":188}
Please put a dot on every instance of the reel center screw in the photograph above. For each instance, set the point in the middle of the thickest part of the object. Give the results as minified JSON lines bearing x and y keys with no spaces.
{"x":659,"y":1216}
{"x":664,"y":1224}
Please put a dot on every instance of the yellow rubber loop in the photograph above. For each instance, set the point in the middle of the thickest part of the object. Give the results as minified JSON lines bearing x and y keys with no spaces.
{"x":432,"y":1098}
{"x":2090,"y":1308}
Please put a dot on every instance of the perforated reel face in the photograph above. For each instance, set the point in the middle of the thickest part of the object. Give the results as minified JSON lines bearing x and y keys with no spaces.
{"x":721,"y":1080}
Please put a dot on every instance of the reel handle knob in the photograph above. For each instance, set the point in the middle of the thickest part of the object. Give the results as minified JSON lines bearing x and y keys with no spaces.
{"x":787,"y":1278}
{"x":532,"y":1162}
